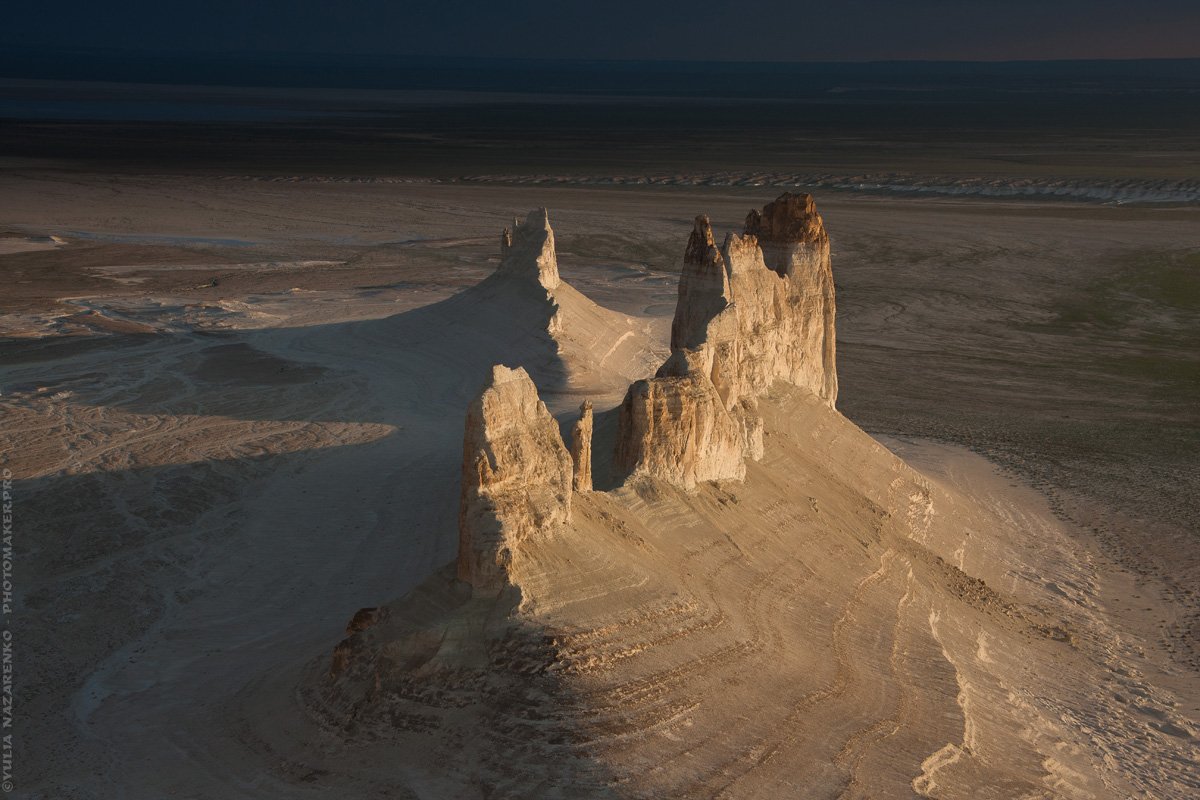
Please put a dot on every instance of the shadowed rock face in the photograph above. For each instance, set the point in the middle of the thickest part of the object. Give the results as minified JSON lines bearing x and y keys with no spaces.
{"x":345,"y":651}
{"x":759,"y":309}
{"x":516,"y":478}
{"x":703,"y":289}
{"x":528,"y":249}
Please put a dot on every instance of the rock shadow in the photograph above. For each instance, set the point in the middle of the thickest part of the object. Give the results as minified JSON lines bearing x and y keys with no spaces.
{"x":451,"y":675}
{"x":426,"y":363}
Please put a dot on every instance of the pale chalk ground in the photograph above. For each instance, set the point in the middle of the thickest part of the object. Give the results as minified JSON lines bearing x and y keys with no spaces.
{"x":198,"y":515}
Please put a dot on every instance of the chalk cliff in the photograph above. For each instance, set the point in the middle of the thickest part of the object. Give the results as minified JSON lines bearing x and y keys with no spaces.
{"x":788,"y":323}
{"x":759,"y":309}
{"x":516,"y":477}
{"x":756,"y":310}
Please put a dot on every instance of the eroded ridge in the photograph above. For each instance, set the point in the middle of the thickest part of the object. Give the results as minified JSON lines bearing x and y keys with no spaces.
{"x":838,"y":624}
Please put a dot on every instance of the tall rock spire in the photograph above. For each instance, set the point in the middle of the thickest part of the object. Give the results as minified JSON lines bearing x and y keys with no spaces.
{"x":703,"y":288}
{"x":527,"y":249}
{"x":793,"y":242}
{"x":516,"y":477}
{"x":786,"y":228}
{"x":581,"y":448}
{"x":758,"y":310}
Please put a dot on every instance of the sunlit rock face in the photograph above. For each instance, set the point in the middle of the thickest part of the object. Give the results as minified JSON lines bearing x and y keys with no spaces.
{"x":757,"y":310}
{"x":581,"y":448}
{"x":516,"y":477}
{"x":787,"y":324}
{"x":677,"y":429}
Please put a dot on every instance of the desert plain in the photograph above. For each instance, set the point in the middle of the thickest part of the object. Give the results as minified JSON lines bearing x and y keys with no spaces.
{"x":233,"y":408}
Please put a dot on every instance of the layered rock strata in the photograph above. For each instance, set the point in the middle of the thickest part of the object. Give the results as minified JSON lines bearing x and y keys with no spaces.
{"x":516,"y":478}
{"x":758,"y":309}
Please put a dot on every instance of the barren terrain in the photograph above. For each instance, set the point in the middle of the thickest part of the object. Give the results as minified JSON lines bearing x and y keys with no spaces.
{"x":234,"y":411}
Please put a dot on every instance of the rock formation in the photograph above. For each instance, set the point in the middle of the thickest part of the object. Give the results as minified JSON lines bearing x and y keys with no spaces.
{"x":581,"y":448}
{"x":678,"y":429}
{"x":787,"y":323}
{"x":704,"y":290}
{"x":759,"y":309}
{"x":525,"y":304}
{"x":344,"y":653}
{"x":661,"y":642}
{"x":528,"y":248}
{"x":516,"y":478}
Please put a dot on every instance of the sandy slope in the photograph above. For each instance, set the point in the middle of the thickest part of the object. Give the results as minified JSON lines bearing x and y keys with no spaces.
{"x":837,"y":625}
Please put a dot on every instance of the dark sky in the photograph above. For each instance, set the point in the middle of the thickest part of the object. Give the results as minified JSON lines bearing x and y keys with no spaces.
{"x":707,"y":30}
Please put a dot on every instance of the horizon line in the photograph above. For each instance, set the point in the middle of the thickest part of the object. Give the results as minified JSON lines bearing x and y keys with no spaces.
{"x":14,"y":49}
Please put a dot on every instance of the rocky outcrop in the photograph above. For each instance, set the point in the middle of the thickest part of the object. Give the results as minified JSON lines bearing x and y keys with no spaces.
{"x":581,"y":449}
{"x":527,"y":248}
{"x":787,"y":323}
{"x":776,"y":280}
{"x":346,"y":649}
{"x":678,"y":429}
{"x":789,"y":230}
{"x":703,"y":289}
{"x":757,"y":310}
{"x":516,"y":479}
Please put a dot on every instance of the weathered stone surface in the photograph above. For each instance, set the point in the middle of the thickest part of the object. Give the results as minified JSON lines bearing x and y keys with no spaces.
{"x":703,"y":288}
{"x":528,"y":249}
{"x":758,"y":309}
{"x":787,"y":324}
{"x":677,"y":429}
{"x":516,"y":479}
{"x":791,"y":220}
{"x":581,"y":448}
